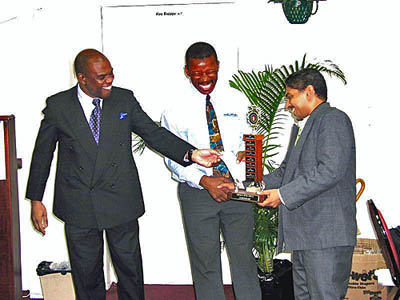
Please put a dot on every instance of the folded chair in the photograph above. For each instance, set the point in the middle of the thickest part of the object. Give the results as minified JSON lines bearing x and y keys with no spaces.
{"x":386,"y":244}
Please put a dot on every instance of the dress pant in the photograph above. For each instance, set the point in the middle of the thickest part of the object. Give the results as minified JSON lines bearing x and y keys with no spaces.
{"x":204,"y":219}
{"x":322,"y":274}
{"x":85,"y":248}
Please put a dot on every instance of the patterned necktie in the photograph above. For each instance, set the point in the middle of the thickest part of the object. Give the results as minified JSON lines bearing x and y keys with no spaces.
{"x":215,"y":138}
{"x":94,"y":122}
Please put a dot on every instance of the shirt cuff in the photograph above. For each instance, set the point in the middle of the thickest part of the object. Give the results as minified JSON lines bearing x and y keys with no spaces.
{"x":280,"y":197}
{"x":185,"y":158}
{"x":188,"y":155}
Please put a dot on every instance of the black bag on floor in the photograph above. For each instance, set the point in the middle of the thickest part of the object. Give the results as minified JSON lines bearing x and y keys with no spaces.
{"x":46,"y":267}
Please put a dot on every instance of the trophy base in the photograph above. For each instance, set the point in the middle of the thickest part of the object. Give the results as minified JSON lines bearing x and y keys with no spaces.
{"x":243,"y":195}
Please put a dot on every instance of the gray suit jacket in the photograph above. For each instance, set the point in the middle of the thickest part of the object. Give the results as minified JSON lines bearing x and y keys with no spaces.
{"x":96,"y":186}
{"x":317,"y":183}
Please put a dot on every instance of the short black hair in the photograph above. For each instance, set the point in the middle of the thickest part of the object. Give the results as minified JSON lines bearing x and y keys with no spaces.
{"x":82,"y":59}
{"x":200,"y":50}
{"x":305,"y":77}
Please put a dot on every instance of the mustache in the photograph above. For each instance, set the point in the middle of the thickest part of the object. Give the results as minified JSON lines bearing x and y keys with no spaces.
{"x":289,"y":107}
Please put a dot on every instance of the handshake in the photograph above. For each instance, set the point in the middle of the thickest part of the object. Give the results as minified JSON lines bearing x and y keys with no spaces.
{"x":220,"y":188}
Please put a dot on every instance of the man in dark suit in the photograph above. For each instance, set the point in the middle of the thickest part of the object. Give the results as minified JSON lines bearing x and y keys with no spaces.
{"x":314,"y":188}
{"x":97,"y":186}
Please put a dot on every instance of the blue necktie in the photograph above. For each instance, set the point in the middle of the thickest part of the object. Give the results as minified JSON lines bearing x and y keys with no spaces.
{"x":94,"y":122}
{"x":215,"y":138}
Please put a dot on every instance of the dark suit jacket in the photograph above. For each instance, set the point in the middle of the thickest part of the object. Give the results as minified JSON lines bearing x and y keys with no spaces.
{"x":96,"y":186}
{"x":317,"y":183}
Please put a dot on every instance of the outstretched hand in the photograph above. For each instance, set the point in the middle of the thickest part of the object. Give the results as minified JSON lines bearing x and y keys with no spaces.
{"x":206,"y":157}
{"x":39,"y":216}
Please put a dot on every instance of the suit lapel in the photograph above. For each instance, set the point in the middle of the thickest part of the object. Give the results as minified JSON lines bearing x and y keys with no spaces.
{"x":108,"y":135}
{"x":293,"y":136}
{"x":294,"y":157}
{"x":80,"y":125}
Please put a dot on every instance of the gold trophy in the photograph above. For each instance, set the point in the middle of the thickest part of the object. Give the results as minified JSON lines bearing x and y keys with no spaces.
{"x":253,"y":160}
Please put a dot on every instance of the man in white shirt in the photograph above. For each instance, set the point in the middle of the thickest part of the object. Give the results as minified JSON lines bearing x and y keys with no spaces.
{"x":206,"y":211}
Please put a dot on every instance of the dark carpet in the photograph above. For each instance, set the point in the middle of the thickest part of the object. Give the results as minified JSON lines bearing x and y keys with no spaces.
{"x":165,"y":292}
{"x":168,"y":292}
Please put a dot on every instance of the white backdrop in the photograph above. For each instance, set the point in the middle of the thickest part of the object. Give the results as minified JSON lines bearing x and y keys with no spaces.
{"x":41,"y":39}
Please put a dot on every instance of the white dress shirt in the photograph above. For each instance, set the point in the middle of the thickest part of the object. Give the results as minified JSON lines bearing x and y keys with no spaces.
{"x":188,"y":121}
{"x":301,"y":124}
{"x":87,"y":103}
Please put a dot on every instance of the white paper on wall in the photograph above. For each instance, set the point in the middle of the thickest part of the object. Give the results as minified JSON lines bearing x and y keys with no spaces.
{"x":147,"y":44}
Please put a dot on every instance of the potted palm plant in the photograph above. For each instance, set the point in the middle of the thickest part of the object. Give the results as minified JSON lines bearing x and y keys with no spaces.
{"x":266,"y":90}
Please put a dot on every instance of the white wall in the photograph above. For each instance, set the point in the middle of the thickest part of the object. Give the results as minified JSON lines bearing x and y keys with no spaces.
{"x":39,"y":45}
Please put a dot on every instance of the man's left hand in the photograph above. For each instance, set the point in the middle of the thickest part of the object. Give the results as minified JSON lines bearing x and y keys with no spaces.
{"x":206,"y":157}
{"x":273,"y":200}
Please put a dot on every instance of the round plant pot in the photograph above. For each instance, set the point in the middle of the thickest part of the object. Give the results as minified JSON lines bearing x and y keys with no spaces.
{"x":277,"y":285}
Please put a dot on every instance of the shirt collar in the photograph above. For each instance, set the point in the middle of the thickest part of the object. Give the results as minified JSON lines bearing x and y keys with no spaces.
{"x":84,"y":97}
{"x":202,"y":97}
{"x":302,"y":122}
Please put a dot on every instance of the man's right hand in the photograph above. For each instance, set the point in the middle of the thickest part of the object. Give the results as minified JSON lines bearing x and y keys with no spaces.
{"x":39,"y":216}
{"x":206,"y":157}
{"x":211,"y":185}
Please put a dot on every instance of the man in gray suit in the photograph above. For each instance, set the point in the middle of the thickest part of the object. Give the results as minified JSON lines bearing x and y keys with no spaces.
{"x":314,"y":189}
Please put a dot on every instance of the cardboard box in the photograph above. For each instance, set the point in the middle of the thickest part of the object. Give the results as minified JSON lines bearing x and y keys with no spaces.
{"x":363,"y":284}
{"x":57,"y":286}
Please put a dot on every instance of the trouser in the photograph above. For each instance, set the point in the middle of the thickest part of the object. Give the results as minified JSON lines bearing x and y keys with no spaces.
{"x":85,"y":248}
{"x":322,"y":274}
{"x":204,"y":219}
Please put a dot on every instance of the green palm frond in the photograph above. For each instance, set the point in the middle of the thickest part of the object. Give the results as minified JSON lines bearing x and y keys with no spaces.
{"x":266,"y":89}
{"x":138,"y":144}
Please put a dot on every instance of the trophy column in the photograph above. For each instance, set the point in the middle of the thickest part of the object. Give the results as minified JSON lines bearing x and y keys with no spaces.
{"x":253,"y":158}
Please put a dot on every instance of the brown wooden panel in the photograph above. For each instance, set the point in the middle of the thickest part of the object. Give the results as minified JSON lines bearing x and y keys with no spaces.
{"x":6,"y":262}
{"x":10,"y":256}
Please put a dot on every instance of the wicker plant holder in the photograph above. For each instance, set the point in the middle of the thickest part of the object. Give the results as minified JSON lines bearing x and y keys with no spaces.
{"x":297,"y":11}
